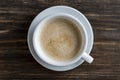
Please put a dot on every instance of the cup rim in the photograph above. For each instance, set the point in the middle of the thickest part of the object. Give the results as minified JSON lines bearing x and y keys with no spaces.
{"x":79,"y":52}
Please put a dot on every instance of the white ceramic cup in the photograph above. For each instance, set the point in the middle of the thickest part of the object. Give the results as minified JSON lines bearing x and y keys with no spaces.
{"x":81,"y":54}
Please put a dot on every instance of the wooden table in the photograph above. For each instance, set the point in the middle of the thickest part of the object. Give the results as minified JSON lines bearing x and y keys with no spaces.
{"x":16,"y":61}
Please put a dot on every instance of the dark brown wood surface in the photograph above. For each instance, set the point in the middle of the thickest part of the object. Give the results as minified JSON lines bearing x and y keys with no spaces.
{"x":16,"y":61}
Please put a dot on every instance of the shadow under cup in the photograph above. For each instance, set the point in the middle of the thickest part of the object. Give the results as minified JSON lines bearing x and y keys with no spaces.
{"x":41,"y":53}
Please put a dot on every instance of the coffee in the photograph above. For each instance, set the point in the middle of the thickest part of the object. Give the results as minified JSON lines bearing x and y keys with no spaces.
{"x":60,"y":39}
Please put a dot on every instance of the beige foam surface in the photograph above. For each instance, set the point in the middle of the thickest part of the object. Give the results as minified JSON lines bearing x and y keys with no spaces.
{"x":60,"y":39}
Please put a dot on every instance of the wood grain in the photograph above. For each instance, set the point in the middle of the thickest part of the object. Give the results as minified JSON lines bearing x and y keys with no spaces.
{"x":16,"y":61}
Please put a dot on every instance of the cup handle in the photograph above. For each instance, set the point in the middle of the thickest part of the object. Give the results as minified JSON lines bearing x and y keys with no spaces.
{"x":87,"y":57}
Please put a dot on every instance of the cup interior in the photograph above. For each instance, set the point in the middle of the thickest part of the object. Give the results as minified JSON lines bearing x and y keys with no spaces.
{"x":40,"y":52}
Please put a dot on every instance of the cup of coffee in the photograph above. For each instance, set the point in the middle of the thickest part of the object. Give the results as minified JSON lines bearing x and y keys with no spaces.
{"x":61,"y":40}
